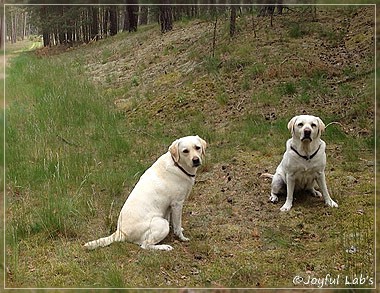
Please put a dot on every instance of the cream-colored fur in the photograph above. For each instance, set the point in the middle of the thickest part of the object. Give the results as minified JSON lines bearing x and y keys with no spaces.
{"x":303,"y":163}
{"x":158,"y":198}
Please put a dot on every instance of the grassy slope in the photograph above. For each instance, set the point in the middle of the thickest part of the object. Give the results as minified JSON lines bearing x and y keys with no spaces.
{"x":94,"y":126}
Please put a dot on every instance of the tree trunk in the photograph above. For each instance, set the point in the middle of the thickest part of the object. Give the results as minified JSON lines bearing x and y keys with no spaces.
{"x":126,"y":20}
{"x":23,"y":26}
{"x":94,"y":23}
{"x":233,"y":21}
{"x":132,"y":16}
{"x":113,"y":20}
{"x":13,"y":28}
{"x":45,"y":26}
{"x":165,"y":18}
{"x":105,"y":22}
{"x":214,"y":34}
{"x":143,"y":16}
{"x":86,"y":27}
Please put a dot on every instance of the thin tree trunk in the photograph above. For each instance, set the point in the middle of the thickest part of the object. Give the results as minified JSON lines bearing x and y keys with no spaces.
{"x":94,"y":23}
{"x":113,"y":20}
{"x":214,"y":35}
{"x":12,"y":27}
{"x":143,"y":15}
{"x":105,"y":22}
{"x":233,"y":21}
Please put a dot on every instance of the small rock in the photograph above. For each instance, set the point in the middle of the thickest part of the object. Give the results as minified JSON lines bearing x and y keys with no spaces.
{"x":370,"y":163}
{"x":198,"y":257}
{"x":352,"y":179}
{"x":255,"y":233}
{"x":351,"y":250}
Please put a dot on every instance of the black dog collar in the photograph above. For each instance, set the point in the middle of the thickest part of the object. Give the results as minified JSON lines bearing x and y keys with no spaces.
{"x":307,"y":158}
{"x":182,"y":169}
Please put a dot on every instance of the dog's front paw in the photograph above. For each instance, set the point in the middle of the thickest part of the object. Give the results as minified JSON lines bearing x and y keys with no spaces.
{"x":273,"y":198}
{"x":179,"y":233}
{"x":183,"y":238}
{"x":331,"y":203}
{"x":164,"y":247}
{"x":286,"y":207}
{"x":316,"y":193}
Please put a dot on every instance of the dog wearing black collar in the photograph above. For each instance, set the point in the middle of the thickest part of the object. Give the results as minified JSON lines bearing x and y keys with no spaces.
{"x":303,"y":163}
{"x":158,"y":198}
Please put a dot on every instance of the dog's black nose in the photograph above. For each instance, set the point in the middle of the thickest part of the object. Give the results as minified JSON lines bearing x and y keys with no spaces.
{"x":196,"y":162}
{"x":307,"y":132}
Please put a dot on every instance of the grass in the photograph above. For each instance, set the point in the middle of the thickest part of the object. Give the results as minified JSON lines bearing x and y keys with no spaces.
{"x":296,"y":30}
{"x":72,"y":157}
{"x":60,"y":162}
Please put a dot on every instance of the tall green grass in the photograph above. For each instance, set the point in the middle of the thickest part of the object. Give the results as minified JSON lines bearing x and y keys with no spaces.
{"x":61,"y":140}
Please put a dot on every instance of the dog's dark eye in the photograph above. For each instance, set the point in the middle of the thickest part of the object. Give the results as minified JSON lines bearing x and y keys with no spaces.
{"x":197,"y":148}
{"x":313,"y":125}
{"x":186,"y":151}
{"x":300,"y":124}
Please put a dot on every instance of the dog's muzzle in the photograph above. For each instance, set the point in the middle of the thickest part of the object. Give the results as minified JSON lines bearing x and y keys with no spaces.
{"x":196,"y":162}
{"x":306,"y":134}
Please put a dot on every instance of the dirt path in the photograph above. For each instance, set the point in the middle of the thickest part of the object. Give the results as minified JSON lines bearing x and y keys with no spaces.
{"x":11,"y":51}
{"x":3,"y":63}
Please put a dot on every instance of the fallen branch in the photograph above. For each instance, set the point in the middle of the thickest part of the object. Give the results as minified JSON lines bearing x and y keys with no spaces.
{"x":334,"y":122}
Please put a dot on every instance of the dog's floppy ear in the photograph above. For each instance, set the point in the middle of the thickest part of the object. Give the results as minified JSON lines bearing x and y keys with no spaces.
{"x":174,"y":150}
{"x":204,"y":145}
{"x":291,"y":123}
{"x":321,"y":125}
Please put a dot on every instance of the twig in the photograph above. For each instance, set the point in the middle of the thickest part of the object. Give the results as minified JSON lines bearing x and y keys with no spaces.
{"x":240,"y":102}
{"x":68,"y":142}
{"x":334,"y":122}
{"x":286,"y":59}
{"x":214,"y":35}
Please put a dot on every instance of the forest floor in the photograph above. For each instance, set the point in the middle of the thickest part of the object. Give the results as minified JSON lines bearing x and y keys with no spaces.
{"x":239,"y":99}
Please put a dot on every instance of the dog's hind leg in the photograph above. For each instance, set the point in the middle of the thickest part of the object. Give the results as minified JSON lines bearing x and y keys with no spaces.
{"x":157,"y":231}
{"x":278,"y":187}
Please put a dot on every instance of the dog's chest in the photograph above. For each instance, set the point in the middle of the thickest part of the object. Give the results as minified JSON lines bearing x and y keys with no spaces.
{"x":306,"y":170}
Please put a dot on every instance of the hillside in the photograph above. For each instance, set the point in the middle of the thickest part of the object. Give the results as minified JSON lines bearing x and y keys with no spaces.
{"x":146,"y":89}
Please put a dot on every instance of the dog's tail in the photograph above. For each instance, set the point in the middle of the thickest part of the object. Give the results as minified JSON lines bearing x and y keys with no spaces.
{"x":101,"y":242}
{"x":266,"y":175}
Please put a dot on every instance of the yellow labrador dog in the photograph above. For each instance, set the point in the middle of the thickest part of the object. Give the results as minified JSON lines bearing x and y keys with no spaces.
{"x":303,"y":163}
{"x":158,"y":198}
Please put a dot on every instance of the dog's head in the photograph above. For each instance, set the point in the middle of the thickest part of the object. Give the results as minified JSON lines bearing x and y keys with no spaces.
{"x":188,"y":151}
{"x":306,"y":127}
